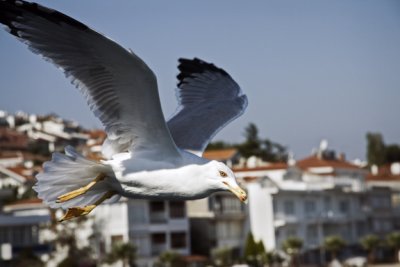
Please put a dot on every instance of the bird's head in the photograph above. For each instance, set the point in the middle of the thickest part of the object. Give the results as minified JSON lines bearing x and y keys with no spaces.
{"x":223,"y":179}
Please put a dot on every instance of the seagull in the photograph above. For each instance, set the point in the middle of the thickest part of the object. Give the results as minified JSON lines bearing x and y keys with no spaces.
{"x":145,"y":157}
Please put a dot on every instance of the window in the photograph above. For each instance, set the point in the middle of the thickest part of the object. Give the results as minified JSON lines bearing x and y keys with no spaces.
{"x":289,"y":207}
{"x":177,"y":209}
{"x":158,"y":238}
{"x":312,"y":235}
{"x":230,"y":204}
{"x":156,"y":206}
{"x":309,"y":207}
{"x":157,"y":212}
{"x":178,"y":240}
{"x":344,"y":206}
{"x":158,"y":243}
{"x":327,"y":203}
{"x":141,"y":241}
{"x":137,"y":213}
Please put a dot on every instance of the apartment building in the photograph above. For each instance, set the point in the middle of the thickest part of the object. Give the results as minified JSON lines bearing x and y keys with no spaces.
{"x":153,"y":227}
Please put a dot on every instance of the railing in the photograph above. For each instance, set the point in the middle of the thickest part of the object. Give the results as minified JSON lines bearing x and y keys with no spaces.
{"x":157,"y":249}
{"x":158,"y":217}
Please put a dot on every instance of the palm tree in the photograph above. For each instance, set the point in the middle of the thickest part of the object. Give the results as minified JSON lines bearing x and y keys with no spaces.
{"x":393,"y":240}
{"x":334,"y":244}
{"x":370,"y":243}
{"x":250,"y":250}
{"x":122,"y":251}
{"x":170,"y":259}
{"x":292,"y":246}
{"x":222,"y":256}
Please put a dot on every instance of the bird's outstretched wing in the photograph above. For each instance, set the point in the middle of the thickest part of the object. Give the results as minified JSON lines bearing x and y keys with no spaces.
{"x":208,"y":100}
{"x":119,"y":87}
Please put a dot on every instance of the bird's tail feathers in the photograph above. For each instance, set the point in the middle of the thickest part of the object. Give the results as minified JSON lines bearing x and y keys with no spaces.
{"x":68,"y":172}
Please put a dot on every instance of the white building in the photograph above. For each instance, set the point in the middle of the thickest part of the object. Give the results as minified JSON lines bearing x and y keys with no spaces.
{"x":314,"y":198}
{"x":152,"y":226}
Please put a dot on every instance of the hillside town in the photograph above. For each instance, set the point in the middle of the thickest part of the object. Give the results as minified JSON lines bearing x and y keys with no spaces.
{"x":295,"y":207}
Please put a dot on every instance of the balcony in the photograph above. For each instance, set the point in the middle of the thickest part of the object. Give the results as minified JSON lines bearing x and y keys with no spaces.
{"x":157,"y":249}
{"x":158,"y":217}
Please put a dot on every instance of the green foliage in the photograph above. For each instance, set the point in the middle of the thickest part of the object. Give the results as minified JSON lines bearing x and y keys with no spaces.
{"x":255,"y":253}
{"x":250,"y":249}
{"x":262,"y":148}
{"x":393,"y":240}
{"x":292,"y":245}
{"x":126,"y":252}
{"x":378,"y":153}
{"x":170,"y":259}
{"x":334,"y":244}
{"x":27,"y":258}
{"x":370,"y":242}
{"x":222,"y":256}
{"x":218,"y":145}
{"x":254,"y":146}
{"x":392,"y":153}
{"x":260,"y":247}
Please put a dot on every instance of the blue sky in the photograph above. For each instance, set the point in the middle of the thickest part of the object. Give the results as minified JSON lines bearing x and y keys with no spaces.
{"x":311,"y":69}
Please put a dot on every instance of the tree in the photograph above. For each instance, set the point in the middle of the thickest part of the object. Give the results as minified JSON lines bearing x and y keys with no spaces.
{"x":370,"y":243}
{"x":392,"y":153}
{"x":218,"y":145}
{"x":261,"y":148}
{"x":27,"y":258}
{"x":378,"y":153}
{"x":375,"y":149}
{"x":393,"y":241}
{"x":250,"y":250}
{"x":334,"y":244}
{"x":252,"y":144}
{"x":126,"y":252}
{"x":292,"y":246}
{"x":223,"y":256}
{"x":170,"y":259}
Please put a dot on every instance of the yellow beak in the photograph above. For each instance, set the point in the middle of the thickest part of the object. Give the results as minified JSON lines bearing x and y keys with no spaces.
{"x":239,"y":192}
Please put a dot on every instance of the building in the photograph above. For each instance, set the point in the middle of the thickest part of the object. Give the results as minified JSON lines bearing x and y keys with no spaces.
{"x":386,"y":204}
{"x":314,"y":198}
{"x":153,"y":227}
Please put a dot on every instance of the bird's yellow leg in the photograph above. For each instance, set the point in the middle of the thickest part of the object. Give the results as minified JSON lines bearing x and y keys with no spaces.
{"x":75,"y":212}
{"x":80,"y":191}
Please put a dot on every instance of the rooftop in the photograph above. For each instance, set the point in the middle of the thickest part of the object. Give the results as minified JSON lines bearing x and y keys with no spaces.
{"x":220,"y":154}
{"x":315,"y":162}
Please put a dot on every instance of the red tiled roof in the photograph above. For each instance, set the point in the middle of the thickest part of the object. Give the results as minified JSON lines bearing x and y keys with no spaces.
{"x":221,"y":154}
{"x":315,"y":162}
{"x":27,"y":173}
{"x":30,"y":201}
{"x":384,"y":174}
{"x":250,"y":179}
{"x":269,"y":167}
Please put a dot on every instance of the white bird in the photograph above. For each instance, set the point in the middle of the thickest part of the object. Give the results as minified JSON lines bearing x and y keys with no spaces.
{"x":146,"y":157}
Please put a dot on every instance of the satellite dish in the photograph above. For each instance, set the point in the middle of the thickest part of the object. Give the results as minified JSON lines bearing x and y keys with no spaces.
{"x":323,"y":145}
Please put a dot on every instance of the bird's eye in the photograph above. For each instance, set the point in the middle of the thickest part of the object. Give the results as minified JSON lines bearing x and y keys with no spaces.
{"x":222,"y":173}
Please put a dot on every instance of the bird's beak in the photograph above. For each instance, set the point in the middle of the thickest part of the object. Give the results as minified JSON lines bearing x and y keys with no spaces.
{"x":239,"y":192}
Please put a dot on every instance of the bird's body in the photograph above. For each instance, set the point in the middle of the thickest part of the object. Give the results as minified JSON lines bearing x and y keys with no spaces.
{"x":146,"y":178}
{"x":145,"y":156}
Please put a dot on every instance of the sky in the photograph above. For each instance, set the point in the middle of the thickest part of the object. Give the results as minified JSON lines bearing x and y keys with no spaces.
{"x":311,"y":69}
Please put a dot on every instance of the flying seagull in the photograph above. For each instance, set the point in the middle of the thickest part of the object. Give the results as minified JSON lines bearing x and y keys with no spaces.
{"x":145,"y":156}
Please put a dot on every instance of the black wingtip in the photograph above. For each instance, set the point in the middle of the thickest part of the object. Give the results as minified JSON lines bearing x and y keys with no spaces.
{"x":189,"y":67}
{"x":12,"y":11}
